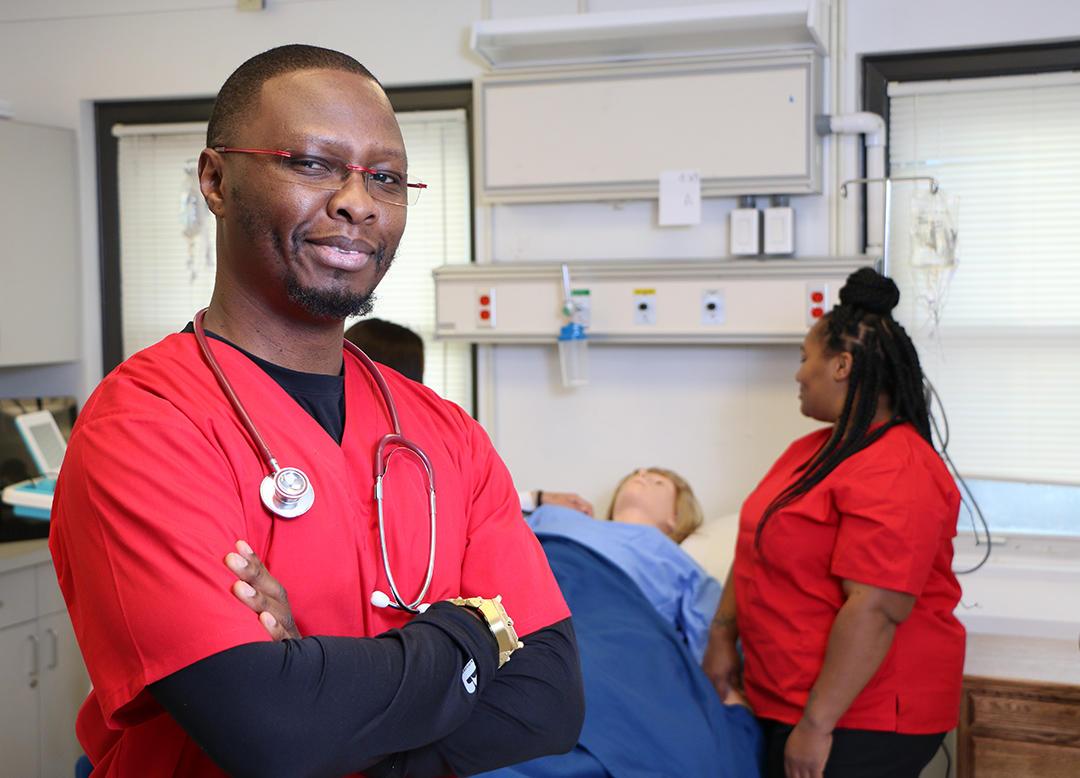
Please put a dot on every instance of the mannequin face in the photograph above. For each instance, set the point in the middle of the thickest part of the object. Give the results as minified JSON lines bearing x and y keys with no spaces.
{"x":822,"y":377}
{"x":646,"y":498}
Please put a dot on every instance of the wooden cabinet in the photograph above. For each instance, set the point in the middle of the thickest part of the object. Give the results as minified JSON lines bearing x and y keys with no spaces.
{"x":42,"y":677}
{"x":1013,"y":729}
{"x":39,"y":222}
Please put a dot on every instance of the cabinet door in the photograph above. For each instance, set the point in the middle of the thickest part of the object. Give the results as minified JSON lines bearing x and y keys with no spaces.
{"x":39,"y":220}
{"x":64,"y":686}
{"x":20,"y":663}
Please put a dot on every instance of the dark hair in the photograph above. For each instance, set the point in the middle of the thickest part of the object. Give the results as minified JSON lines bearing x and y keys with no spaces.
{"x":390,"y":344}
{"x":241,"y":90}
{"x":883,"y":359}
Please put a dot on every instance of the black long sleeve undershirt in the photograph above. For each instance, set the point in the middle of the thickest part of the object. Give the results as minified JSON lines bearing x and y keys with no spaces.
{"x":534,"y":706}
{"x":396,"y":704}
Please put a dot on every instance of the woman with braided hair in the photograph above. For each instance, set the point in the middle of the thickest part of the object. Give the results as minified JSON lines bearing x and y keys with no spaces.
{"x":842,"y":590}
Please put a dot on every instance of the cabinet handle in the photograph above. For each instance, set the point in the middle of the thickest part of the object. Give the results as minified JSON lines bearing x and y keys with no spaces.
{"x":33,"y":673}
{"x":54,"y":649}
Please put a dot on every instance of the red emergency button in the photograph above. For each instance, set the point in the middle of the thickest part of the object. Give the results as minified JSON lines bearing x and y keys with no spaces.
{"x":816,"y":312}
{"x":485,"y":315}
{"x":485,"y":300}
{"x":817,"y":297}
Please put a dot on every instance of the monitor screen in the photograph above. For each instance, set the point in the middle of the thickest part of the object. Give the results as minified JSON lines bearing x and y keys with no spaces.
{"x":16,"y":461}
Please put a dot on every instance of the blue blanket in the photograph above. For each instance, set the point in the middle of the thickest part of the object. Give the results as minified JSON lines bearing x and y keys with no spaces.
{"x":680,"y":590}
{"x":649,"y":709}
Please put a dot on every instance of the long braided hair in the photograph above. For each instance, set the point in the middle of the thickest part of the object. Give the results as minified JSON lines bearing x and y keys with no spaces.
{"x":883,"y":359}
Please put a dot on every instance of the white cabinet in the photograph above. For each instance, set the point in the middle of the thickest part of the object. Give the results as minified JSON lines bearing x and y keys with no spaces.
{"x":18,"y":689}
{"x":744,"y":123}
{"x":39,"y":222}
{"x":42,"y":677}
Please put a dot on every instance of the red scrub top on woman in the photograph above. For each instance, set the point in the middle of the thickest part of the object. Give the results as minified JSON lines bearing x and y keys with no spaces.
{"x":161,"y":479}
{"x":885,"y":517}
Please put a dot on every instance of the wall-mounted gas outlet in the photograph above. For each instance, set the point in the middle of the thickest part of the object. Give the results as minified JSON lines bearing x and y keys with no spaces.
{"x":816,"y":302}
{"x":712,"y":307}
{"x":485,"y":308}
{"x":582,"y":302}
{"x":644,"y":306}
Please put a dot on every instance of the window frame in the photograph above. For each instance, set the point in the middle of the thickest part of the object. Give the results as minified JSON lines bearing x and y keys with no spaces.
{"x":110,"y":112}
{"x":879,"y":70}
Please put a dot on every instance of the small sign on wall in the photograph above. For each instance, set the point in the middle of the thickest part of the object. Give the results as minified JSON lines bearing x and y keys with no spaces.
{"x":680,"y":198}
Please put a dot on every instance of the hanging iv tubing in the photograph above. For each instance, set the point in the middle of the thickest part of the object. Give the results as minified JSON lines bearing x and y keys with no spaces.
{"x":887,"y":180}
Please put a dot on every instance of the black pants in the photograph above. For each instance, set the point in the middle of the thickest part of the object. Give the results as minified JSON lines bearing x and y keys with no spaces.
{"x":858,"y":753}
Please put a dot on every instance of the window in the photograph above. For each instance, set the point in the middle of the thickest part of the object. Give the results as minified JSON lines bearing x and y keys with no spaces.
{"x":1005,"y":355}
{"x":166,"y":237}
{"x":438,"y":233}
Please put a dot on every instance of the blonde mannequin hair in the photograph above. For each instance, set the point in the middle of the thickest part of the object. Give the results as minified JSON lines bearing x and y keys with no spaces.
{"x":688,"y":513}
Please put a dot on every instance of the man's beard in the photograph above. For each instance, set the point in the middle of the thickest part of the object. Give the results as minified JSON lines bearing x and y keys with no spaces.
{"x":329,"y":304}
{"x":335,"y":304}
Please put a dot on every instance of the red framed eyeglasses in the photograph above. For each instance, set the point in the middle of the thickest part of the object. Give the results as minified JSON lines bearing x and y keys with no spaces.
{"x":329,"y":173}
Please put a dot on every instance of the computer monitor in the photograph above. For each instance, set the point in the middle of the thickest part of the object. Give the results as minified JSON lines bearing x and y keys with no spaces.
{"x":43,"y":440}
{"x":17,"y":462}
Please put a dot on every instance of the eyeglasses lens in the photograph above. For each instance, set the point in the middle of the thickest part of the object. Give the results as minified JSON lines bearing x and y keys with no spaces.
{"x":319,"y":173}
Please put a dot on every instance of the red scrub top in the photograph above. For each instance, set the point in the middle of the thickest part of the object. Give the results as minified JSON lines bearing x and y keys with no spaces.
{"x":885,"y":517}
{"x":160,"y":480}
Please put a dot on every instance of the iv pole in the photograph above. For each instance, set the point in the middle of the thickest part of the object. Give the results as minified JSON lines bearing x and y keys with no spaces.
{"x":888,"y":205}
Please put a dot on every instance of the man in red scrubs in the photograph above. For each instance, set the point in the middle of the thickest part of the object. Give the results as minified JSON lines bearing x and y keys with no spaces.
{"x":162,"y":480}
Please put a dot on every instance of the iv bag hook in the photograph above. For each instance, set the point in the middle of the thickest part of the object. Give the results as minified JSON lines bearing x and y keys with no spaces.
{"x":888,"y":181}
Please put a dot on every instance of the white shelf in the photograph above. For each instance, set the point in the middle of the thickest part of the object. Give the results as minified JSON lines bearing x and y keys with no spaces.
{"x":617,"y":36}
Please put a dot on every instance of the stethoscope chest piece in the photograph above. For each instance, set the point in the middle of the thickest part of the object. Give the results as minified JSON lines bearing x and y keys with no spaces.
{"x":287,"y":492}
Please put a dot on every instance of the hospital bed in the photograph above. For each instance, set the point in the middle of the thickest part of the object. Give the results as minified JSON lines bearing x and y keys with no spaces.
{"x":641,"y":609}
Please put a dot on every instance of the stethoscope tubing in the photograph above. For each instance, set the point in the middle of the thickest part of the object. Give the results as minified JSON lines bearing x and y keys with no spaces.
{"x":380,"y":463}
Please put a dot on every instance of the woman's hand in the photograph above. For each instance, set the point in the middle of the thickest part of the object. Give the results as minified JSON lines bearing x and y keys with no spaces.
{"x":261,"y":592}
{"x":722,"y":663}
{"x":807,"y":751}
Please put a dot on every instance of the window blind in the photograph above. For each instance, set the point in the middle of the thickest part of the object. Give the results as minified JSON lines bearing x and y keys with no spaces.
{"x":1005,"y":355}
{"x":166,"y":276}
{"x":438,"y":233}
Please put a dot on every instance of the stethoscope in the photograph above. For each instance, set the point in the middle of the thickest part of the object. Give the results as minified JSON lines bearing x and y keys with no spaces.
{"x":287,"y":491}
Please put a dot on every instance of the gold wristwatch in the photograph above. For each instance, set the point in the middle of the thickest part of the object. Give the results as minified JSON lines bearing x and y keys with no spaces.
{"x":498,"y":621}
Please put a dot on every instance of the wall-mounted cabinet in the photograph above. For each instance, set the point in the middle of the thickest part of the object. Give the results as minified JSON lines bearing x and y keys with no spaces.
{"x":745,"y":123}
{"x":39,"y":221}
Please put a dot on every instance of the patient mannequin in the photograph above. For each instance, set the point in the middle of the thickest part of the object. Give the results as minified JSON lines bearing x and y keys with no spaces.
{"x":659,"y":498}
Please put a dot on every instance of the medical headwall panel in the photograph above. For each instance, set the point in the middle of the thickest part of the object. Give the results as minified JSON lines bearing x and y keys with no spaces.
{"x":745,"y":125}
{"x":39,"y":219}
{"x":727,"y":301}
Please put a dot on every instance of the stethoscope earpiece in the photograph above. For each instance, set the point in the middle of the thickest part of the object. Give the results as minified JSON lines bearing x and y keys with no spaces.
{"x":382,"y":600}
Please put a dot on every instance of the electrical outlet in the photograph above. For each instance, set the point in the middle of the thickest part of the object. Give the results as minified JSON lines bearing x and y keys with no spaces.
{"x":816,"y":301}
{"x":712,"y":307}
{"x":485,"y":308}
{"x":644,"y":306}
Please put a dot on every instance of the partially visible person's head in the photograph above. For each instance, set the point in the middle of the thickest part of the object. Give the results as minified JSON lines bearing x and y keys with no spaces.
{"x":659,"y":498}
{"x":284,"y":242}
{"x":390,"y":344}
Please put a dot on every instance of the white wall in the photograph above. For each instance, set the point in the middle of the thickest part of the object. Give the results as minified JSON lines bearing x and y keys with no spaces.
{"x":718,"y":414}
{"x":59,"y":56}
